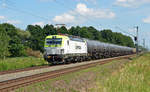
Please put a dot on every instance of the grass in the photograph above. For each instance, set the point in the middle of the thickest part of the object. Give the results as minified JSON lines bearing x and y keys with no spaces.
{"x":134,"y":77}
{"x":118,"y":76}
{"x":83,"y":81}
{"x":20,"y":62}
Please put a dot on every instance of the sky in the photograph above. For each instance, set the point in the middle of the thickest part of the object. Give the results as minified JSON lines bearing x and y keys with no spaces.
{"x":119,"y":15}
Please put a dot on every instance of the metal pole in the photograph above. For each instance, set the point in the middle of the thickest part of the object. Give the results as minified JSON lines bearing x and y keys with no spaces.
{"x":137,"y":46}
{"x":144,"y":48}
{"x":144,"y":43}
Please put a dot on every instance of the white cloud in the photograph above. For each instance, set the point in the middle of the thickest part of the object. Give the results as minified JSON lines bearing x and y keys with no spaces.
{"x":39,"y":23}
{"x":147,"y":20}
{"x":6,"y":20}
{"x":13,"y":21}
{"x":82,"y":13}
{"x":2,"y":17}
{"x":65,"y":18}
{"x":89,"y":1}
{"x":96,"y":13}
{"x":82,"y":9}
{"x":131,"y":3}
{"x":121,"y":0}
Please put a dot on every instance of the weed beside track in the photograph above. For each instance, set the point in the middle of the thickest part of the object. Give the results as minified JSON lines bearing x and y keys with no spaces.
{"x":20,"y":62}
{"x":134,"y":77}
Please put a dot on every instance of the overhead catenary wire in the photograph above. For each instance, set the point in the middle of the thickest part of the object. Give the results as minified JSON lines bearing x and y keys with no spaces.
{"x":14,"y":8}
{"x":124,"y":31}
{"x":28,"y":13}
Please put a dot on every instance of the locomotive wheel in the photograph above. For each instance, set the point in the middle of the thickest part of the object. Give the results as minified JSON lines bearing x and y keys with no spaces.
{"x":67,"y":61}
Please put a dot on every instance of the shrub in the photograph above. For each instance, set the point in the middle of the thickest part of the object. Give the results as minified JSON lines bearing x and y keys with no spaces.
{"x":31,"y":52}
{"x":4,"y":43}
{"x":17,"y":50}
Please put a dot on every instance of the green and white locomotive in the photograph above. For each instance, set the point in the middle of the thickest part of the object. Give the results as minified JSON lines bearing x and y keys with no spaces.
{"x":61,"y":48}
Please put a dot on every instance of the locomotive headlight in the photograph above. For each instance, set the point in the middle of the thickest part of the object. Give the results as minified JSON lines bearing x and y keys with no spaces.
{"x":62,"y":51}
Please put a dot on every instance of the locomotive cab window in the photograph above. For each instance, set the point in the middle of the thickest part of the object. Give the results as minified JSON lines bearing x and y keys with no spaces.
{"x":55,"y":41}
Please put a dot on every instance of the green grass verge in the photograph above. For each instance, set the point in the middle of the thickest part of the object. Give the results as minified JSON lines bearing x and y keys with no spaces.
{"x":117,"y":76}
{"x":20,"y":62}
{"x":134,"y":77}
{"x":82,"y":81}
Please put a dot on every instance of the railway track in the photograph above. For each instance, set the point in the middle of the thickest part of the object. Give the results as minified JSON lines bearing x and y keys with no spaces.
{"x":9,"y":85}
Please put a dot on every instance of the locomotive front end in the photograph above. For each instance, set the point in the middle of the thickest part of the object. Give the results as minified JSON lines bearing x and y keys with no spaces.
{"x":54,"y":48}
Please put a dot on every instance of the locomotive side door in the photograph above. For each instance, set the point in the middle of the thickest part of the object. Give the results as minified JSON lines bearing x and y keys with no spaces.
{"x":68,"y":46}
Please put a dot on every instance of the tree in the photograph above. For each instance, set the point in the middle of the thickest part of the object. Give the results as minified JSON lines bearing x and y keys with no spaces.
{"x":17,"y":38}
{"x":117,"y":38}
{"x":4,"y":43}
{"x":49,"y":30}
{"x":16,"y":48}
{"x":63,"y":30}
{"x":108,"y":36}
{"x":36,"y":40}
{"x":85,"y":33}
{"x":23,"y":35}
{"x":10,"y":29}
{"x":74,"y":31}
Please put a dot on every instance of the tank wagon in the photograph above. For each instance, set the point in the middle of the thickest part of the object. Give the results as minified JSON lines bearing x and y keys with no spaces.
{"x":66,"y":49}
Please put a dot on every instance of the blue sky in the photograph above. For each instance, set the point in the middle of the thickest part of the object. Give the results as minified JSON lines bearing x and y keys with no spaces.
{"x":102,"y":14}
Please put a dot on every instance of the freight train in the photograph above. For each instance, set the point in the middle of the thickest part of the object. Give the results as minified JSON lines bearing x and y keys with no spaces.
{"x":66,"y":49}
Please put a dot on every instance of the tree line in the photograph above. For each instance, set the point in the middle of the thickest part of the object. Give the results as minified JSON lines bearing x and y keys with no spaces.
{"x":14,"y":42}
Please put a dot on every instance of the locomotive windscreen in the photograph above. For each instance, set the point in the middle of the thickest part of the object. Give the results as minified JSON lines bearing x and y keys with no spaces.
{"x":53,"y":41}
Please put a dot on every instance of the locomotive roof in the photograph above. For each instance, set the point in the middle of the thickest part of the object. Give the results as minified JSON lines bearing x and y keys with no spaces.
{"x":77,"y":38}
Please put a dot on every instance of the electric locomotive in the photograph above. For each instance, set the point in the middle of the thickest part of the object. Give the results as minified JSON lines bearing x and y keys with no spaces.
{"x":65,"y":49}
{"x":62,"y":48}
